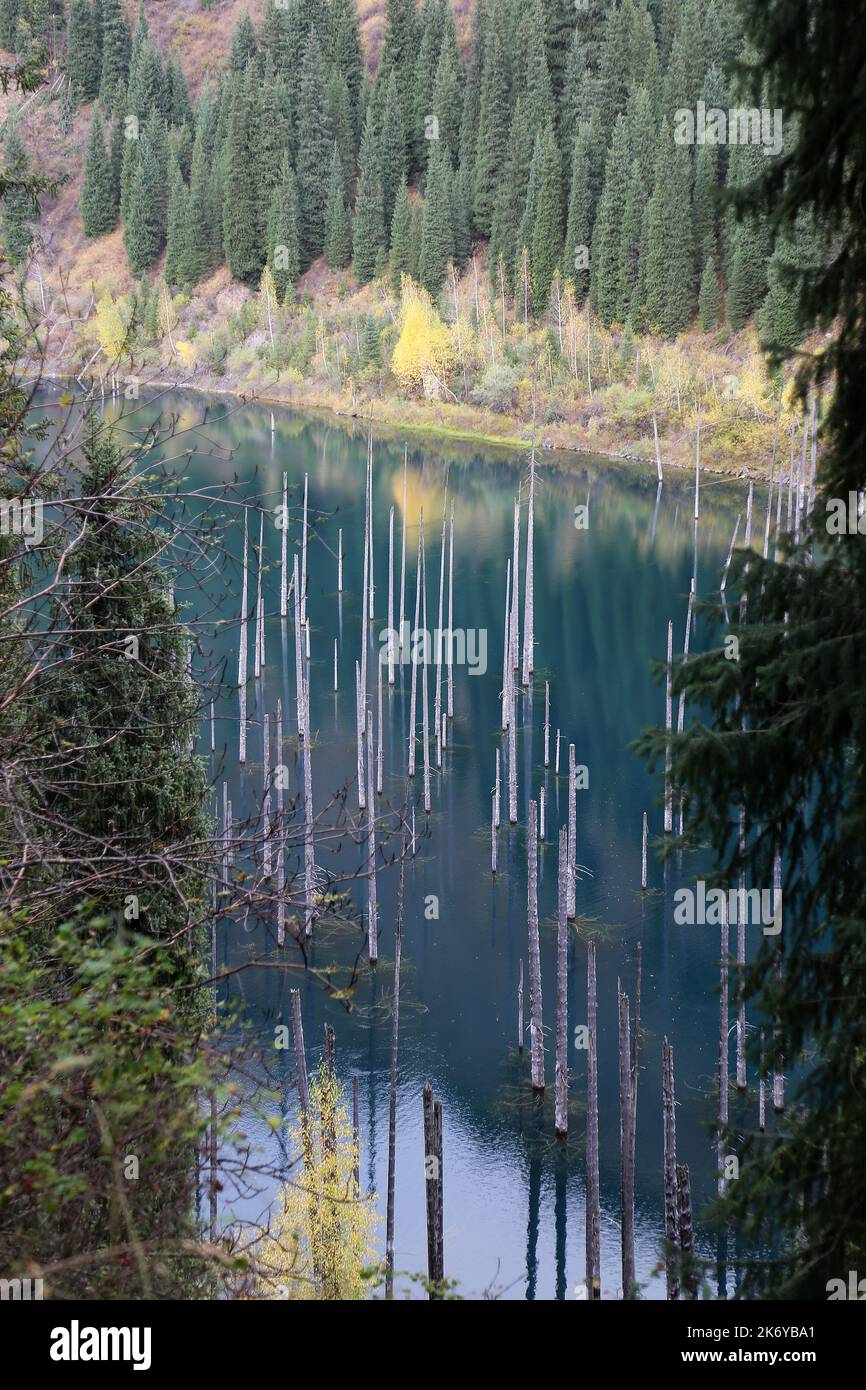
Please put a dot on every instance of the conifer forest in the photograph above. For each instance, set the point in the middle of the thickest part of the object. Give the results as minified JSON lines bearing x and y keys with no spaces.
{"x":432,"y":675}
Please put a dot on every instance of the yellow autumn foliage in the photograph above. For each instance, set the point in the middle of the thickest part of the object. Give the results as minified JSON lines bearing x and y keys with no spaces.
{"x":186,"y":353}
{"x":112,"y":325}
{"x":323,"y":1236}
{"x":424,"y":352}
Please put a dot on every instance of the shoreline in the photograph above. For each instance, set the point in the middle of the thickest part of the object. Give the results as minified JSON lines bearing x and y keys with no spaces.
{"x":319,"y":408}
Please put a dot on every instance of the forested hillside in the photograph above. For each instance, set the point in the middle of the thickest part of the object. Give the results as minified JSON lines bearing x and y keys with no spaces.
{"x":533,"y":140}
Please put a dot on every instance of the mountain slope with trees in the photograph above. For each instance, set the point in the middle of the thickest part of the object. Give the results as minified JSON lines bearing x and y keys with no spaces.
{"x":529,"y":142}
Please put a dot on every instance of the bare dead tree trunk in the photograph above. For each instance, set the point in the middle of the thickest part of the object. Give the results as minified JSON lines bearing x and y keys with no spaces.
{"x":392,"y":1099}
{"x":529,"y":588}
{"x":625,"y":1124}
{"x":669,"y":803}
{"x":593,"y":1205}
{"x":536,"y":1036}
{"x":561,"y":1072}
{"x":242,"y":656}
{"x":723,"y":1048}
{"x":741,"y":960}
{"x":686,"y":1230}
{"x":571,"y":896}
{"x":520,"y":1025}
{"x":670,"y":1171}
{"x":372,"y":910}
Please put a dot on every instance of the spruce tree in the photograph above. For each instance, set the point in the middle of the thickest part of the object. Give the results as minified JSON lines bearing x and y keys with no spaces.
{"x":606,"y":260}
{"x":16,"y":208}
{"x":631,"y":243}
{"x":176,"y":249}
{"x":243,"y":45}
{"x":242,"y":233}
{"x":82,"y":52}
{"x":274,"y":139}
{"x":143,"y":230}
{"x":202,"y":230}
{"x":560,"y":16}
{"x":179,"y":110}
{"x":461,"y":215}
{"x":393,"y":151}
{"x":511,"y":197}
{"x":341,"y":123}
{"x":370,"y":353}
{"x":348,"y":58}
{"x":368,"y":236}
{"x":116,"y":48}
{"x":575,"y":260}
{"x":709,"y":297}
{"x":546,"y":247}
{"x":422,"y":101}
{"x":492,"y":133}
{"x":401,"y":237}
{"x":535,"y":84}
{"x":313,"y":153}
{"x":98,"y":201}
{"x":669,"y":265}
{"x":437,"y":237}
{"x":338,"y":223}
{"x":448,"y":90}
{"x":283,"y":241}
{"x":8,"y":24}
{"x":705,"y":201}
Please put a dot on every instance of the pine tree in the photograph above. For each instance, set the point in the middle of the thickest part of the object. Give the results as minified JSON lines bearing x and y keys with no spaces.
{"x":709,"y":297}
{"x":368,"y":237}
{"x":242,"y":233}
{"x":338,"y":223}
{"x":401,"y":237}
{"x":116,"y":48}
{"x":82,"y":52}
{"x":16,"y":208}
{"x":176,"y":249}
{"x":313,"y":146}
{"x":283,"y":248}
{"x":437,"y":237}
{"x":98,"y":203}
{"x":546,"y":247}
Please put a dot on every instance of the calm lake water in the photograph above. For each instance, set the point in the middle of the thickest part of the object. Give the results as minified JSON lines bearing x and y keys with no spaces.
{"x":513,"y":1195}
